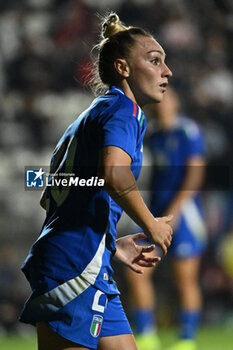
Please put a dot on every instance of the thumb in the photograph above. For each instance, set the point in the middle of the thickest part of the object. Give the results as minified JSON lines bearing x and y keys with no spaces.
{"x":168,"y":218}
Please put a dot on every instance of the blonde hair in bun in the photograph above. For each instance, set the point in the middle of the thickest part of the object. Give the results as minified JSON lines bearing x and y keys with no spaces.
{"x":112,"y":25}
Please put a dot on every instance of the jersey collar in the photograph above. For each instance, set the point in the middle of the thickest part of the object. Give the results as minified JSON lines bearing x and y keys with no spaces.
{"x":137,"y":111}
{"x":116,"y":89}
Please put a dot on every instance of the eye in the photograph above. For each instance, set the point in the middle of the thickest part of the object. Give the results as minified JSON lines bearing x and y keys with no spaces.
{"x":155,"y":61}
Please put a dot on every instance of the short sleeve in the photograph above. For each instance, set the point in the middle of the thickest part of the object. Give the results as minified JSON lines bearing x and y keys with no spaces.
{"x":120,"y":131}
{"x":195,"y":141}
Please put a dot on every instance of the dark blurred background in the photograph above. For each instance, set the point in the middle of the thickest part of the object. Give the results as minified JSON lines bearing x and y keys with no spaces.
{"x":44,"y":58}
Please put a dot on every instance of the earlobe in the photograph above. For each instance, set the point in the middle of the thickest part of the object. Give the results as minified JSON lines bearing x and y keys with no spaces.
{"x":122,"y":67}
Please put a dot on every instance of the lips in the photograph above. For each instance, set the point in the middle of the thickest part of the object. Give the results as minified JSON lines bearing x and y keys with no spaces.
{"x":164,"y":85}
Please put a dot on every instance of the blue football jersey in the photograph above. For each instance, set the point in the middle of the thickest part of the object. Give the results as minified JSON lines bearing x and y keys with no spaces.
{"x":77,"y":240}
{"x":171,"y":150}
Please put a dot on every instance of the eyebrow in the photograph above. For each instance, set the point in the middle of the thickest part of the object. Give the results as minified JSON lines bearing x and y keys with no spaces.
{"x":158,"y":51}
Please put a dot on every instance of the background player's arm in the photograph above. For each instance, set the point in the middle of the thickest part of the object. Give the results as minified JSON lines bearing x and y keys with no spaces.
{"x":114,"y":168}
{"x":193,"y":180}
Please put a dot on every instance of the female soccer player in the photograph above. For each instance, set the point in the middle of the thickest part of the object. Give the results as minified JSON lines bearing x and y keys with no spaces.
{"x":75,"y":303}
{"x":177,"y":148}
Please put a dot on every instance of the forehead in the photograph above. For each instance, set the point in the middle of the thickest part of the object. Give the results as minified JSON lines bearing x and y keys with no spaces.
{"x":147,"y":45}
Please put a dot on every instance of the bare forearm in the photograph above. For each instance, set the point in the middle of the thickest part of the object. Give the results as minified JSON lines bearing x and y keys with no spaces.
{"x":114,"y":168}
{"x":122,"y":187}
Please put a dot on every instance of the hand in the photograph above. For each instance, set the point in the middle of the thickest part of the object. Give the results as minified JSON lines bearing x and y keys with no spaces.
{"x":176,"y":215}
{"x":133,"y":255}
{"x":161,"y":232}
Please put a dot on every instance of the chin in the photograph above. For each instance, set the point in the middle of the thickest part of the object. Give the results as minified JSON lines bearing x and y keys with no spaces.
{"x":152,"y":99}
{"x":159,"y":97}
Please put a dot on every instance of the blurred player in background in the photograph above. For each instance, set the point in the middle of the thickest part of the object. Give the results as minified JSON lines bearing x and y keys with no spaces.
{"x":177,"y":150}
{"x":75,"y":302}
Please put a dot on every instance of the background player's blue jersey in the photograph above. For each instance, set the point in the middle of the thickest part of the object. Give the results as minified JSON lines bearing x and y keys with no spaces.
{"x":171,"y":149}
{"x":77,"y":240}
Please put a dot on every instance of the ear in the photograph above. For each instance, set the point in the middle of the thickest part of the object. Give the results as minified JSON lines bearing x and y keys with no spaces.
{"x":122,"y":67}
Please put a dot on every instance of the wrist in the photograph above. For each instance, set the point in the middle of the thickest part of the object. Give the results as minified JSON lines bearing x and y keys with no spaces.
{"x":149,"y":226}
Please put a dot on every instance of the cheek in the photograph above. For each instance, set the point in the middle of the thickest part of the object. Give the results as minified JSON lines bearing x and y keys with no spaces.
{"x":156,"y":73}
{"x":152,"y":74}
{"x":146,"y":76}
{"x":141,"y":70}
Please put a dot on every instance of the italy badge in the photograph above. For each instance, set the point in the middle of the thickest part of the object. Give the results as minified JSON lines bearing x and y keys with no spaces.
{"x":96,"y":325}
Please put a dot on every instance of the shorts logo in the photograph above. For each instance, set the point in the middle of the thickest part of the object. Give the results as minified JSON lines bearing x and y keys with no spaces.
{"x":35,"y":178}
{"x":96,"y":325}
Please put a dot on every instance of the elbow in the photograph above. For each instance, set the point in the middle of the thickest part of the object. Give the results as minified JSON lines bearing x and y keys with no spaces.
{"x":117,"y":178}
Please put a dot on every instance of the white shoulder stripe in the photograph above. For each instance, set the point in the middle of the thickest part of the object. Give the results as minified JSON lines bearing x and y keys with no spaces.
{"x":119,"y":91}
{"x":139,"y":113}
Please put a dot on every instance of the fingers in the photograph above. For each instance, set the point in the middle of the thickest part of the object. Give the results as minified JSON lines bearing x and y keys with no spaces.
{"x":167,"y":218}
{"x":163,"y":243}
{"x":167,"y":242}
{"x":144,"y":263}
{"x":148,"y":262}
{"x":148,"y":249}
{"x":138,"y":236}
{"x":164,"y":248}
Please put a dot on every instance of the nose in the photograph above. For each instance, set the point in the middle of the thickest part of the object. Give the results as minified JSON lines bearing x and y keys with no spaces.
{"x":167,"y":72}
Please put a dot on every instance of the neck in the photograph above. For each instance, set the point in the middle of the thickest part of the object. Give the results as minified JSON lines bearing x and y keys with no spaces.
{"x":123,"y":85}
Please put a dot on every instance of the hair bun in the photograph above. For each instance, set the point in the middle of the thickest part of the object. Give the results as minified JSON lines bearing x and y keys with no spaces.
{"x":112,"y":25}
{"x":113,"y":18}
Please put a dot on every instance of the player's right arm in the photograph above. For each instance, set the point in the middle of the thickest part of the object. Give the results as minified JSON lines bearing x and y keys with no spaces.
{"x":114,"y":168}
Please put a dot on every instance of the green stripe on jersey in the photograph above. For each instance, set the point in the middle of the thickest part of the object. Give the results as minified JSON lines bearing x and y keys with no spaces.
{"x":143,"y":117}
